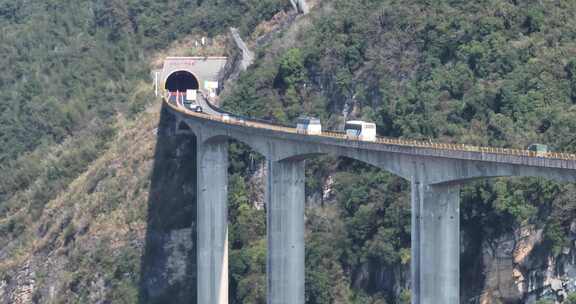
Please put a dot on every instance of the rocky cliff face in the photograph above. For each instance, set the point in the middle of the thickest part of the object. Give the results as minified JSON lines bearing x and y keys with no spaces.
{"x":517,"y":269}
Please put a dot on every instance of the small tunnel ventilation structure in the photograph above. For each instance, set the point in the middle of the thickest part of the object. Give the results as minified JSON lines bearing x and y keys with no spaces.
{"x":181,"y":81}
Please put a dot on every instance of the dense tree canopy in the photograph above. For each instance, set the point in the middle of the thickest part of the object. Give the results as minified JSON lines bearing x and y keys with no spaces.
{"x":488,"y":72}
{"x":491,"y":72}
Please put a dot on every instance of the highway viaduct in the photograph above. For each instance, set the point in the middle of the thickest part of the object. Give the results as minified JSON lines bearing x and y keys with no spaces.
{"x":435,"y":171}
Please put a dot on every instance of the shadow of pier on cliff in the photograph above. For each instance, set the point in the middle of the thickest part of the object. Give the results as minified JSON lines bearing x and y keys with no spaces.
{"x":169,"y":259}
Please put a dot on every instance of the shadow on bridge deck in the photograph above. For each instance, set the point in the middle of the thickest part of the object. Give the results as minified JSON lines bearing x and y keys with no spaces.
{"x":169,"y":260}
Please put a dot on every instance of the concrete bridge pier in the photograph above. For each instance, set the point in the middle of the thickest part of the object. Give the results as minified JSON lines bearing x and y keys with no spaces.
{"x":285,"y":224}
{"x":212,"y":221}
{"x":435,"y":243}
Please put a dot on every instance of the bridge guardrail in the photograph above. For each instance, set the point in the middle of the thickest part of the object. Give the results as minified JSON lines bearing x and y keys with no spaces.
{"x":261,"y":124}
{"x":216,"y":109}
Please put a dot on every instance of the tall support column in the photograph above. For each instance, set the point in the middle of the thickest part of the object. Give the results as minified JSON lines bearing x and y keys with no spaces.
{"x":212,"y":222}
{"x":285,"y":229}
{"x":435,"y":244}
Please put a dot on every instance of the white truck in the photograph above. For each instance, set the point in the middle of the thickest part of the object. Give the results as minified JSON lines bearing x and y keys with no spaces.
{"x":361,"y":130}
{"x":309,"y":126}
{"x":190,"y":102}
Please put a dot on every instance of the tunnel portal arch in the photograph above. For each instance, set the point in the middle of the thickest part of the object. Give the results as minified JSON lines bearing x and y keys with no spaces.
{"x":181,"y":81}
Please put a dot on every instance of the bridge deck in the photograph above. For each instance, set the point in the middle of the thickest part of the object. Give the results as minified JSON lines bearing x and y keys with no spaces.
{"x":422,"y":148}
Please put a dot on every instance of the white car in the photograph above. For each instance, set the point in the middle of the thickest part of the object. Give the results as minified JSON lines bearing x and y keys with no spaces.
{"x":194,"y":107}
{"x":309,"y":126}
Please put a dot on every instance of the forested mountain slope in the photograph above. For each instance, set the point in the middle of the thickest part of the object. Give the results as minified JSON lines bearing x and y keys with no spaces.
{"x":491,"y":72}
{"x":96,"y":199}
{"x":75,"y":76}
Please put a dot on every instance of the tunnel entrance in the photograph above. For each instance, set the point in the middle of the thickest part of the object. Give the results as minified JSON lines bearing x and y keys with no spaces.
{"x":181,"y":81}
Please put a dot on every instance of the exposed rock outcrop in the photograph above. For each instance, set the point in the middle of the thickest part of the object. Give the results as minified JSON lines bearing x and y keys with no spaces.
{"x":300,"y":5}
{"x":247,"y":54}
{"x":256,"y":185}
{"x":519,"y":270}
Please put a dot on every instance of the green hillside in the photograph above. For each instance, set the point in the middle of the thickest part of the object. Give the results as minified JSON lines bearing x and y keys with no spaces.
{"x":90,"y":181}
{"x":491,"y":72}
{"x":69,"y":63}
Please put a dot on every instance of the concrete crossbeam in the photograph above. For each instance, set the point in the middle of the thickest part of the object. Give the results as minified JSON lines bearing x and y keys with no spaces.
{"x":212,"y":250}
{"x":435,"y":236}
{"x":285,"y":224}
